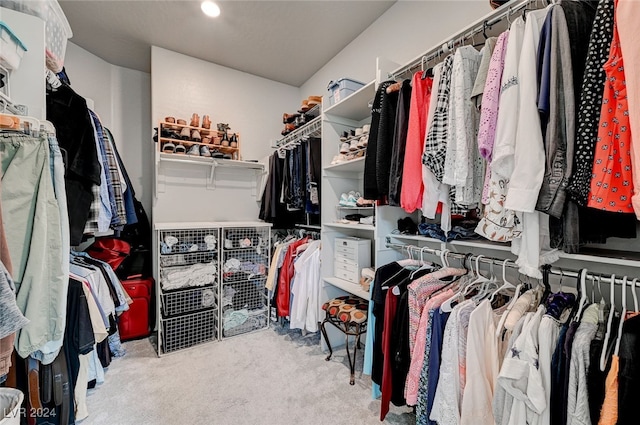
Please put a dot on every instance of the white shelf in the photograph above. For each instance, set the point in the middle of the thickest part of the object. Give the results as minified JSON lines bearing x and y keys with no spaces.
{"x":205,"y":160}
{"x":356,"y":105}
{"x":483,"y":244}
{"x":353,"y":166}
{"x":352,"y":288}
{"x":354,"y":226}
{"x":618,"y":261}
{"x":356,"y":208}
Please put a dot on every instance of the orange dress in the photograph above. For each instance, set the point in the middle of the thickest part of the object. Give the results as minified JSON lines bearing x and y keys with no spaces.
{"x":611,"y":180}
{"x":609,"y":412}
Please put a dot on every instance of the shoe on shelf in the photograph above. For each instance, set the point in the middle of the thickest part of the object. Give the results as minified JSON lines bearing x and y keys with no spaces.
{"x":225,"y":139}
{"x":204,"y":151}
{"x":171,"y":120}
{"x":344,"y":148}
{"x":366,"y":128}
{"x":304,"y":107}
{"x":206,"y":122}
{"x":217,"y":154}
{"x":313,"y":101}
{"x":168,"y":147}
{"x":344,"y":199}
{"x":289,"y":118}
{"x":352,"y":199}
{"x":361,"y":202}
{"x":370,"y":220}
{"x":344,"y":136}
{"x":195,"y":120}
{"x":358,"y":132}
{"x":206,"y":140}
{"x":180,"y":149}
{"x":195,"y":136}
{"x":185,"y":134}
{"x":181,"y":122}
{"x":194,"y":150}
{"x":339,"y":159}
{"x":353,"y":145}
{"x":363,"y":141}
{"x":233,"y":142}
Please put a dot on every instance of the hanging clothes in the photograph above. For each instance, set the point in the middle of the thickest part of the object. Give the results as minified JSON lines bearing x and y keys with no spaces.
{"x":305,"y":290}
{"x":34,"y":239}
{"x":490,"y":108}
{"x":412,"y":184}
{"x":626,"y":16}
{"x":399,"y":143}
{"x":612,"y":180}
{"x":381,"y":127}
{"x":69,"y":114}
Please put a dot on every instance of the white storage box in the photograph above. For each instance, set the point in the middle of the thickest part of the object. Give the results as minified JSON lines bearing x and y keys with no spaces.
{"x":338,"y":90}
{"x":350,"y":256}
{"x":57,"y":29}
{"x":11,"y":48}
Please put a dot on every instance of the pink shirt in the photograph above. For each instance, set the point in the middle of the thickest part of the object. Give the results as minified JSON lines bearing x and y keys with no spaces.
{"x":418,"y":294}
{"x":489,"y":108}
{"x":413,"y":377}
{"x":412,"y":186}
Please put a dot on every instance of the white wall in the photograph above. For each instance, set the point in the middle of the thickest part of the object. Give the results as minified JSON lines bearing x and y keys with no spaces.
{"x":122,"y":99}
{"x":252,"y":106}
{"x":405,"y":31}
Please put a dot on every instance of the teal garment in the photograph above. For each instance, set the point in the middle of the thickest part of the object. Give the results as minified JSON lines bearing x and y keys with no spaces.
{"x":233,"y":318}
{"x":33,"y":230}
{"x":368,"y":348}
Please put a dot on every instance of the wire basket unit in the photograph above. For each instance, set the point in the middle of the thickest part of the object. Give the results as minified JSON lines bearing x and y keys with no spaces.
{"x":188,"y":273}
{"x":244,"y":304}
{"x":188,"y":330}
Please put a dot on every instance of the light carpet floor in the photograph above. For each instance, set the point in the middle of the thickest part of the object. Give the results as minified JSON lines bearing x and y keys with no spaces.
{"x":266,"y":377}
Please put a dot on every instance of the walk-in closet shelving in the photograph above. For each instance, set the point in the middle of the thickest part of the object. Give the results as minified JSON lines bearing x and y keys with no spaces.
{"x":348,"y":114}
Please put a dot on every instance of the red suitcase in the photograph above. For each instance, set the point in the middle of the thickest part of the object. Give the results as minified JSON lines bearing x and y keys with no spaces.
{"x":134,"y":323}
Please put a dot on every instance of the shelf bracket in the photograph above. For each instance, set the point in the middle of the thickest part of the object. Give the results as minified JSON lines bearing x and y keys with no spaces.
{"x":211,"y":182}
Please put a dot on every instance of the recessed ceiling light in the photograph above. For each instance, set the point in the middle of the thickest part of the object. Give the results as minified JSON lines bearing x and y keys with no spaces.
{"x":210,"y":9}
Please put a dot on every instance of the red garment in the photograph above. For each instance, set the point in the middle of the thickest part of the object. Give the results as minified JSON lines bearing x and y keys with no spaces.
{"x":391,"y":305}
{"x":612,"y":180}
{"x":412,"y":185}
{"x":284,"y":279}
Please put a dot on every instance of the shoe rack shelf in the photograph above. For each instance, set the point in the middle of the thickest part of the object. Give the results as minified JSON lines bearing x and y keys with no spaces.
{"x":234,"y":151}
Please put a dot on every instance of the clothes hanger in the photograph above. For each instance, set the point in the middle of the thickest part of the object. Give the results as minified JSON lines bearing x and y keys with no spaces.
{"x":607,"y":337}
{"x":505,"y":285}
{"x":624,"y":313}
{"x":635,"y":295}
{"x":583,"y":294}
{"x":510,"y":306}
{"x":424,"y":266}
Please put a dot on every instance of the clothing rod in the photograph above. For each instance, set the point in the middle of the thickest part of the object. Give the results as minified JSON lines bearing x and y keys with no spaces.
{"x":465,"y":34}
{"x":499,"y":262}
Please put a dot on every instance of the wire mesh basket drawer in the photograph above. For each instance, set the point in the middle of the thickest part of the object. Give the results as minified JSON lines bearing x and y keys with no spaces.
{"x":250,"y":238}
{"x":189,"y":300}
{"x":238,"y":322}
{"x":188,"y":241}
{"x":186,"y":331}
{"x":245,"y":308}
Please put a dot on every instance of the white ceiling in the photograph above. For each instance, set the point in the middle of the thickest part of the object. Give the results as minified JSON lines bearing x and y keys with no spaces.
{"x":286,"y":41}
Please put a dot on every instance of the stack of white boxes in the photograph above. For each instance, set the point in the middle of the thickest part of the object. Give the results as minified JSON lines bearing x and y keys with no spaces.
{"x":351,"y":255}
